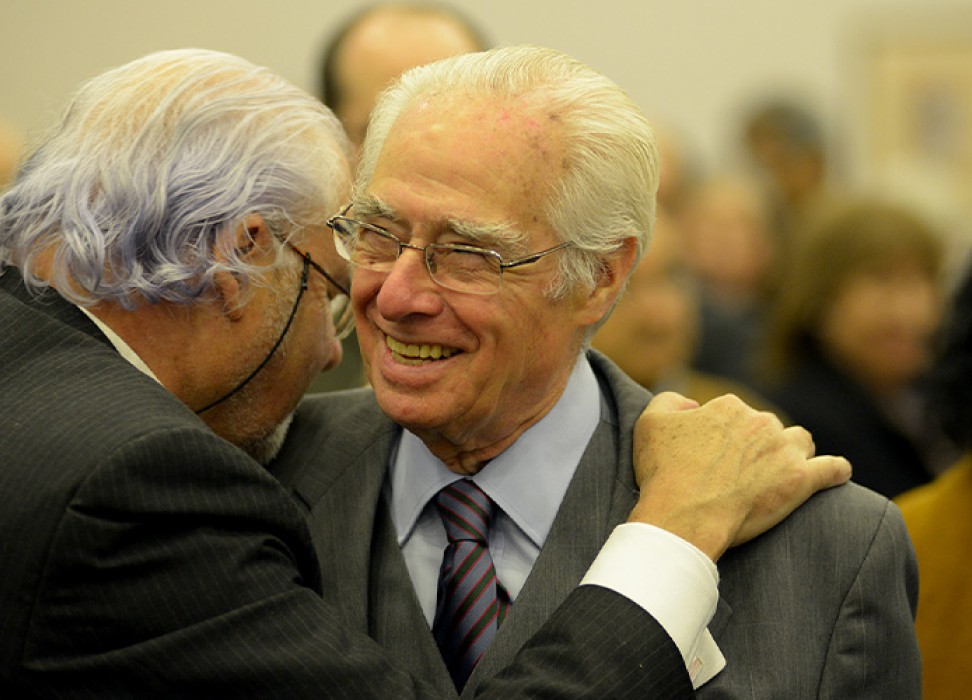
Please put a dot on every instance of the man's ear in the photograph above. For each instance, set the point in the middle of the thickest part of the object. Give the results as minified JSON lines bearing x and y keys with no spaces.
{"x":610,"y":282}
{"x":252,"y":242}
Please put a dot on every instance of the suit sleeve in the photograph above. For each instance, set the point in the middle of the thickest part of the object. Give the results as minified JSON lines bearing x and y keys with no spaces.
{"x":874,"y":651}
{"x":179,"y":568}
{"x":598,"y":644}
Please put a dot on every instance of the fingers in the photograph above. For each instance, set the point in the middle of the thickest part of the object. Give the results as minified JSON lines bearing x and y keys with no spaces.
{"x":827,"y":471}
{"x":670,"y":401}
{"x":801,"y":436}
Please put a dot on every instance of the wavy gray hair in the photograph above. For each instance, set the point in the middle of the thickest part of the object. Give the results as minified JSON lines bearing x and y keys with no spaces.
{"x":152,"y":160}
{"x":607,"y":191}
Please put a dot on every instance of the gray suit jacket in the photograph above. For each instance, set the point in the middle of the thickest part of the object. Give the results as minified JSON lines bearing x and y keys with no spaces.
{"x":821,"y":606}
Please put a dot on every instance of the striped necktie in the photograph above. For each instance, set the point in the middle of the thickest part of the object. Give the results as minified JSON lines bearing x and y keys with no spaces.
{"x":471,"y":601}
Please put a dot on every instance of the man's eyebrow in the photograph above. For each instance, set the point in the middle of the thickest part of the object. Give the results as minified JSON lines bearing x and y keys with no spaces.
{"x":369,"y":205}
{"x":502,"y":235}
{"x":494,"y":235}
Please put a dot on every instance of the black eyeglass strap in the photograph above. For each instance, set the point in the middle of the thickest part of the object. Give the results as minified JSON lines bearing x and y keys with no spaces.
{"x":283,"y":333}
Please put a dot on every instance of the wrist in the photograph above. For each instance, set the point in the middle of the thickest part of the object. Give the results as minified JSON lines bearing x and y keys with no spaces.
{"x":704,"y":533}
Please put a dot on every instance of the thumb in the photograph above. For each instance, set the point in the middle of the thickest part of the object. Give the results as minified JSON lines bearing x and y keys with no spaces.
{"x":670,"y":401}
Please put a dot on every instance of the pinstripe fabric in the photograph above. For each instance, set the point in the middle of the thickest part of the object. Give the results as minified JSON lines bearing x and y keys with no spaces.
{"x":804,"y":613}
{"x":471,"y":601}
{"x":143,"y":557}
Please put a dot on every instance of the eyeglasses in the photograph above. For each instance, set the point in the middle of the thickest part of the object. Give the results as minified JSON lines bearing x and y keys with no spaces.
{"x":340,"y":304}
{"x":461,"y":268}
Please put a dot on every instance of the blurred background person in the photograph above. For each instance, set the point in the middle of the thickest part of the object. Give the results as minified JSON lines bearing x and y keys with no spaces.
{"x":850,"y":338}
{"x":731,"y":251}
{"x":653,"y":330}
{"x":939,"y":519}
{"x":783,"y":141}
{"x":370,"y":50}
{"x":11,"y":146}
{"x":381,"y":42}
{"x":680,"y":168}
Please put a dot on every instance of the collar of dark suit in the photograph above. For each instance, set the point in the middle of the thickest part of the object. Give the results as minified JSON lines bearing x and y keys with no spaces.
{"x":48,"y":303}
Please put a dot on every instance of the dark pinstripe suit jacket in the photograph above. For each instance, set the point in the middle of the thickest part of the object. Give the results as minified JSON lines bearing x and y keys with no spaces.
{"x":142,"y":556}
{"x":821,"y":606}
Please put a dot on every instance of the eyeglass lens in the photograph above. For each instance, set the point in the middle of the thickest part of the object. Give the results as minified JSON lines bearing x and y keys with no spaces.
{"x":457,"y":268}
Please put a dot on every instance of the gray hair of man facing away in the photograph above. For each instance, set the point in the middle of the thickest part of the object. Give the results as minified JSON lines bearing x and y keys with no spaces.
{"x":153,"y":160}
{"x":606,"y":193}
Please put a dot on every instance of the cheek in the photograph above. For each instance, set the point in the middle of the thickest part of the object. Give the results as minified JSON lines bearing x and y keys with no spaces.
{"x":364,"y":290}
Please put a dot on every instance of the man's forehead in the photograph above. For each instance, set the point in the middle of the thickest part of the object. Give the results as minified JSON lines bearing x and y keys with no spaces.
{"x":508,"y":134}
{"x":521,"y":112}
{"x":475,"y":157}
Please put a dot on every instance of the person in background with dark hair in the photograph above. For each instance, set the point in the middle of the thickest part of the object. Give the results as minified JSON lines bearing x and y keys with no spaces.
{"x":939,"y":519}
{"x":784,"y":141}
{"x":849,"y":340}
{"x":370,"y":50}
{"x":653,"y":330}
{"x":381,"y":42}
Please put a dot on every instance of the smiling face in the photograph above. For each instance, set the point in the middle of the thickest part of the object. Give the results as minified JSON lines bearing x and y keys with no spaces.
{"x":496,"y":364}
{"x":881,"y":322}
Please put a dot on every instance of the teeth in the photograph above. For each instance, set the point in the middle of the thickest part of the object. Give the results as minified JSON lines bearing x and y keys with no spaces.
{"x":433,"y":352}
{"x":419,"y":351}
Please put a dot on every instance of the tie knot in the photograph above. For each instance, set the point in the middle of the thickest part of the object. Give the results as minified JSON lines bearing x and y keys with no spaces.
{"x":465,"y":510}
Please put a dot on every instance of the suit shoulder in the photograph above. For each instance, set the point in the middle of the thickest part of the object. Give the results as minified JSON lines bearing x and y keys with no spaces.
{"x":337,"y":409}
{"x":329,"y":434}
{"x":841,"y":524}
{"x":849,"y":508}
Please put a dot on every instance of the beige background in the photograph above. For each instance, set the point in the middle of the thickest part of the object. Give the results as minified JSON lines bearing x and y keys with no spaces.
{"x":690,"y":63}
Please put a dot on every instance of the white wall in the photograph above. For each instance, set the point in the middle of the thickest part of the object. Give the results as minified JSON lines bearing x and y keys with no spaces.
{"x":690,"y":63}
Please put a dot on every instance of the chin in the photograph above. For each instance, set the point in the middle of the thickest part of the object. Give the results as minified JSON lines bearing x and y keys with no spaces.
{"x":266,"y":448}
{"x":410,"y":413}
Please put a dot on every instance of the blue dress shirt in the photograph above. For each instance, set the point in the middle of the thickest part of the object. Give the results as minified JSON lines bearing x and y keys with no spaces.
{"x":527,"y":481}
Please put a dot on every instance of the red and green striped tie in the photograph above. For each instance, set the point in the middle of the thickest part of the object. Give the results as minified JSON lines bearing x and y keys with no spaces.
{"x":471,"y":601}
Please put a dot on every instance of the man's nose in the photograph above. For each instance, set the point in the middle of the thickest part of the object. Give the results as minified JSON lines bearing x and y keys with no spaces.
{"x":408,"y":288}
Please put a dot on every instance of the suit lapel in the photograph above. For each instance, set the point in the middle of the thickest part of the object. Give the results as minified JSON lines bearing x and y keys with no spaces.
{"x":346,"y":510}
{"x":359,"y":548}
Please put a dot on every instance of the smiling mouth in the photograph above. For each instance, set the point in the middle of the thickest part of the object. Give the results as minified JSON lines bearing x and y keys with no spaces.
{"x":418,"y":354}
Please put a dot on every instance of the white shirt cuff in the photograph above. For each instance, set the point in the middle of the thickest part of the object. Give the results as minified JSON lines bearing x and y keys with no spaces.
{"x":670,"y":579}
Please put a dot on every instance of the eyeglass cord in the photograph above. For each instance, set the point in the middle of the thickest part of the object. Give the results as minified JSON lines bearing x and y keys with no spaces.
{"x":283,"y":333}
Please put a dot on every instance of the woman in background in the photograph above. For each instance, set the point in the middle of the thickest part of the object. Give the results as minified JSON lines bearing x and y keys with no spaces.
{"x":850,"y":338}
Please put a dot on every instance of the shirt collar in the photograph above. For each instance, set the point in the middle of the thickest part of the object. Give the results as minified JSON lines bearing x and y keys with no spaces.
{"x":123,"y":348}
{"x":528,"y":480}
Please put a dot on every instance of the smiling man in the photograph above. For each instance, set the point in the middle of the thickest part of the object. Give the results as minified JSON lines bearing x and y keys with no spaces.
{"x":502,"y":200}
{"x":168,"y":288}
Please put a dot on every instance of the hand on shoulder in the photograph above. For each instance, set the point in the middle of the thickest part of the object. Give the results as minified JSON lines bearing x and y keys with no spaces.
{"x":720,"y":474}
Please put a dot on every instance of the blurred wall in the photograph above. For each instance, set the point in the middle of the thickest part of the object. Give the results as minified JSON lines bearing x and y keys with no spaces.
{"x":691,"y":64}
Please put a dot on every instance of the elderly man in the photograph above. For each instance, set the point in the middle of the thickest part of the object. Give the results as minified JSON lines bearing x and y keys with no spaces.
{"x":375,"y":46}
{"x":167,"y":292}
{"x":502,"y":200}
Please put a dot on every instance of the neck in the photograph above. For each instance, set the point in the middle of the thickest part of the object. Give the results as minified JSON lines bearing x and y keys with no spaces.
{"x":469,"y":461}
{"x":166,"y":338}
{"x":468,"y":452}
